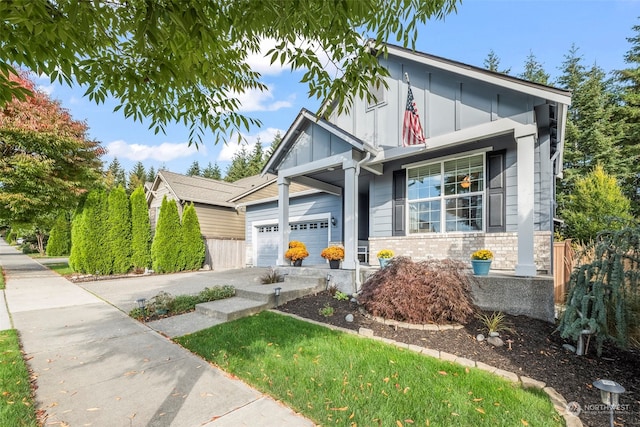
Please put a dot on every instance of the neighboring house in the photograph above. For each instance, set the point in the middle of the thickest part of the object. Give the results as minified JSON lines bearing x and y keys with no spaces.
{"x":484,"y":178}
{"x":221,"y":218}
{"x":221,"y":224}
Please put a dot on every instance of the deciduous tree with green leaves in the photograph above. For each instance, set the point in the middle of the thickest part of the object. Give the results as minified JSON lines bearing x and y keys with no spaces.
{"x":188,"y":61}
{"x":193,"y":248}
{"x":47,"y":161}
{"x":140,"y":230}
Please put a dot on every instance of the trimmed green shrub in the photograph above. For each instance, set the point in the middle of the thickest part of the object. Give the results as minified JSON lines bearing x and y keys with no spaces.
{"x":98,"y":251}
{"x":165,"y":249}
{"x":140,"y":230}
{"x":119,"y":230}
{"x":77,"y":255}
{"x":193,"y":248}
{"x":596,"y":204}
{"x":59,"y":243}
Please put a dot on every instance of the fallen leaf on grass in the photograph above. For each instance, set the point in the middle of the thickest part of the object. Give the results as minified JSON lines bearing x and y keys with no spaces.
{"x":480,"y":410}
{"x":344,"y":408}
{"x":442,"y":373}
{"x":524,"y":422}
{"x":478,"y":399}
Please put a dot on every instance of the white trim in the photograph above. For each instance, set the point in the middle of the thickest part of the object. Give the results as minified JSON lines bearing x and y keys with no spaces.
{"x":449,"y":157}
{"x":443,"y":198}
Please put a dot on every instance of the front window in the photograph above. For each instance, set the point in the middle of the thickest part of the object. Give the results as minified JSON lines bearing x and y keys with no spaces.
{"x":446,"y":196}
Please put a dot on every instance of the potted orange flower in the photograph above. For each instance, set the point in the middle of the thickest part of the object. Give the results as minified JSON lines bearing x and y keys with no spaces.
{"x":334,"y":254}
{"x":296,"y":253}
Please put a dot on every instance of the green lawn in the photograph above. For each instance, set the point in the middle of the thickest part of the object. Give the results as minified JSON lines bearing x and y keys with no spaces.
{"x":1,"y":278}
{"x":340,"y":379}
{"x":60,"y":268}
{"x":16,"y":401}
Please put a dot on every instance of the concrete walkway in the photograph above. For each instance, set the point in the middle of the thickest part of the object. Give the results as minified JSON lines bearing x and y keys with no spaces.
{"x":96,"y":366}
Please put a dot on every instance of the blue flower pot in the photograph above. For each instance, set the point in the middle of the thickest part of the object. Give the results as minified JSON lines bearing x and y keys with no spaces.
{"x":384,"y":261}
{"x":481,"y":266}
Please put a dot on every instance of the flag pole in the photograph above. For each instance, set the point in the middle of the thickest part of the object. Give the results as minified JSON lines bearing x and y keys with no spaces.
{"x":406,"y":78}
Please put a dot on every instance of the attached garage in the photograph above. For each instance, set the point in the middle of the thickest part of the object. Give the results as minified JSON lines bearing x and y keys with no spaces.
{"x":314,"y":234}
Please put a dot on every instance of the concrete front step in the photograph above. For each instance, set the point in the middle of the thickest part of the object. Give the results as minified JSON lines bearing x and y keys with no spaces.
{"x":231,"y":308}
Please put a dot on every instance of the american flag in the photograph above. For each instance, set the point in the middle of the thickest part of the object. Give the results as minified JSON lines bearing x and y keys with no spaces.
{"x":411,"y":129}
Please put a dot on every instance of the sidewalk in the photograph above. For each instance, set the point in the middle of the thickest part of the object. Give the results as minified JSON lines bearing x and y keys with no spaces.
{"x":96,"y":366}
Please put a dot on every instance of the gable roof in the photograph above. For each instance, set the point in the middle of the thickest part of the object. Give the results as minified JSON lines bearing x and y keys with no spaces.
{"x":500,"y":79}
{"x":304,"y":119}
{"x":208,"y":191}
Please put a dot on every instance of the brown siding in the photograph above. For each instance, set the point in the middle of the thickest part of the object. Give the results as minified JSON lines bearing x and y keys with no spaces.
{"x":271,"y":190}
{"x":217,"y":222}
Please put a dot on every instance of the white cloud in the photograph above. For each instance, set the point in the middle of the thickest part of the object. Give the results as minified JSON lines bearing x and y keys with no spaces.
{"x":261,"y":63}
{"x":48,"y":89}
{"x":164,"y":152}
{"x":256,"y":100}
{"x":266,"y":138}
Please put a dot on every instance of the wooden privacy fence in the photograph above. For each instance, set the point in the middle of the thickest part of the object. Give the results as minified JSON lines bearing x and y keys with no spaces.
{"x":562,"y":267}
{"x":225,"y":253}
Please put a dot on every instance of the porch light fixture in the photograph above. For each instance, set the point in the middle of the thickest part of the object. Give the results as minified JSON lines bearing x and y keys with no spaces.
{"x":609,"y":394}
{"x":276,"y":292}
{"x":334,"y":221}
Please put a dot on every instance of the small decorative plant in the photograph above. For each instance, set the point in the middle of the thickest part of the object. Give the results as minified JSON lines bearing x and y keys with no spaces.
{"x":297,"y":251}
{"x":327,"y":310}
{"x":385,"y":253}
{"x":341,"y":296}
{"x":482,"y":254}
{"x":495,"y":322}
{"x":333,"y":253}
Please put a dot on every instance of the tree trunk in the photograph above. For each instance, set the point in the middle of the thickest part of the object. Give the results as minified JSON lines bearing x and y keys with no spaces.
{"x":40,"y":237}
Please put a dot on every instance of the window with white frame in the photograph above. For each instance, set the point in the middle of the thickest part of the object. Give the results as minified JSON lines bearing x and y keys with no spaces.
{"x":447,"y":196}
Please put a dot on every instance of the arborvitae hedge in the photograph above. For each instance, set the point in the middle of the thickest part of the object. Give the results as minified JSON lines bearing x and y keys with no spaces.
{"x":119,"y":231}
{"x":140,"y":230}
{"x":98,"y":252}
{"x":77,"y":256}
{"x":193,"y":249}
{"x":59,"y":243}
{"x":165,"y":249}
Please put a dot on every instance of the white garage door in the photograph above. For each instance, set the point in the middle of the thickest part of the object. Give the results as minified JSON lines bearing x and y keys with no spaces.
{"x":314,"y":234}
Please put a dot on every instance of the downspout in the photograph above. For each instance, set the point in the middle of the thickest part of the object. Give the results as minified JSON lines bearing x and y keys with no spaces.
{"x":358,"y":164}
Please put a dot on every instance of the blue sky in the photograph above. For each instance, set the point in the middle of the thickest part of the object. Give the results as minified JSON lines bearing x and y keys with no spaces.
{"x":511,"y":28}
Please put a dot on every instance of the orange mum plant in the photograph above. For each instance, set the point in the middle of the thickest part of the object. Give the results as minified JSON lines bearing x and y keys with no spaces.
{"x":333,"y":253}
{"x":297,"y":250}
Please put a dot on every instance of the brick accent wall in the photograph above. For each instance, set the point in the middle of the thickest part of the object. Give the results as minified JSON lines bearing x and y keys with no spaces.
{"x":460,"y":247}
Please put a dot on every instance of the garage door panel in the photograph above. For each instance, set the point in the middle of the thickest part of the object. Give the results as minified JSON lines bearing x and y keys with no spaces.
{"x":314,"y":234}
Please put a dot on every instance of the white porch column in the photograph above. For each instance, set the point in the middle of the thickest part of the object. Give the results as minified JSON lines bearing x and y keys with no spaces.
{"x":350,"y":215}
{"x":283,"y":219}
{"x":526,"y":204}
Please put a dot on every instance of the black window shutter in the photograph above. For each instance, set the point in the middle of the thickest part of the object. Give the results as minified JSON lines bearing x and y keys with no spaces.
{"x":496,"y":192}
{"x":399,"y":202}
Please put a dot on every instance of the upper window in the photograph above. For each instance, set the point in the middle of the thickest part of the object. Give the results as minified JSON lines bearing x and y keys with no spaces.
{"x":379,"y":95}
{"x":447,"y":196}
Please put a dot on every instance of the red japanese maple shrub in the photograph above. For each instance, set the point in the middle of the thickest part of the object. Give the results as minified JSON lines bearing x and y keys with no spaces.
{"x":434,"y":291}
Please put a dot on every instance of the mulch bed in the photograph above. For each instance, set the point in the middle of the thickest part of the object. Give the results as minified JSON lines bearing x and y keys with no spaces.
{"x":536,"y":352}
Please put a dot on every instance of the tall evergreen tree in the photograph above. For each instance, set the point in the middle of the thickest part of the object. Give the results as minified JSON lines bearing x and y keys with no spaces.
{"x":596,"y":204}
{"x":165,"y":249}
{"x":629,"y":114}
{"x":140,"y":230}
{"x":119,"y":230}
{"x":212,"y":172}
{"x":194,"y":169}
{"x":78,"y":252}
{"x":93,"y":253}
{"x":256,"y":159}
{"x":492,"y":63}
{"x":137,"y":177}
{"x":59,"y":243}
{"x":151,"y":174}
{"x":277,"y":139}
{"x":534,"y":71}
{"x":239,"y":166}
{"x":115,"y":175}
{"x":193,"y":247}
